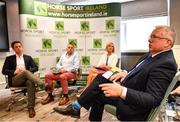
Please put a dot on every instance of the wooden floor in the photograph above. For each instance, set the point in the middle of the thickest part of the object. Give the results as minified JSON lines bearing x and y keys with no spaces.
{"x":19,"y":112}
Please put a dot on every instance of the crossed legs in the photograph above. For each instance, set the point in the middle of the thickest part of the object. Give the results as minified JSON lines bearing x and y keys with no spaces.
{"x":28,"y":79}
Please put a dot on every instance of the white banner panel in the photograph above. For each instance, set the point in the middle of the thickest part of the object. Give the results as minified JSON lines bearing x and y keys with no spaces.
{"x":46,"y":29}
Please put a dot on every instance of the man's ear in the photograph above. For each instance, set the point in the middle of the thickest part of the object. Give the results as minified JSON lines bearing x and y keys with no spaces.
{"x":168,"y":43}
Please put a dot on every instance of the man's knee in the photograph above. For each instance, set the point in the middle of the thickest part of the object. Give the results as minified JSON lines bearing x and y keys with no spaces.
{"x":30,"y":84}
{"x":99,"y":78}
{"x":62,"y":77}
{"x":26,"y":72}
{"x":48,"y":75}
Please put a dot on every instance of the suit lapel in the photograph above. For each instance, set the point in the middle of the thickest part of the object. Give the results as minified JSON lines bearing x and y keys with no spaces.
{"x":25,"y":60}
{"x":141,"y":59}
{"x":140,"y":68}
{"x":14,"y":61}
{"x":152,"y":60}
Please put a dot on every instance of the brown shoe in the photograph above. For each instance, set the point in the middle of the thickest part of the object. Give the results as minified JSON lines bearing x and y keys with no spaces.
{"x":64,"y":100}
{"x":47,"y":100}
{"x":32,"y":112}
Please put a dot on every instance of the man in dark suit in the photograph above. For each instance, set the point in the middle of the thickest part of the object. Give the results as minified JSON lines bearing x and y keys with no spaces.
{"x":20,"y":69}
{"x":140,"y":89}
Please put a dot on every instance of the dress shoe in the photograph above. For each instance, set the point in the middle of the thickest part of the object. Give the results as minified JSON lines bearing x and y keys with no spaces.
{"x":68,"y":111}
{"x":48,"y":88}
{"x":47,"y":100}
{"x":32,"y":112}
{"x":64,"y":100}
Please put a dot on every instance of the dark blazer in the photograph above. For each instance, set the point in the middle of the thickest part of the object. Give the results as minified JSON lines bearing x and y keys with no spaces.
{"x":146,"y":88}
{"x":9,"y":66}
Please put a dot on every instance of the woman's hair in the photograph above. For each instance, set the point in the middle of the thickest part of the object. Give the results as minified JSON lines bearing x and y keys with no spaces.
{"x":109,"y":44}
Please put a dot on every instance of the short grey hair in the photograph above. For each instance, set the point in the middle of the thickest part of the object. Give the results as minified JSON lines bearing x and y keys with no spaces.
{"x":169,"y":33}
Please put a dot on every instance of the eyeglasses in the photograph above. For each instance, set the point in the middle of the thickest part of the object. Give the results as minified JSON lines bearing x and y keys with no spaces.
{"x":157,"y":37}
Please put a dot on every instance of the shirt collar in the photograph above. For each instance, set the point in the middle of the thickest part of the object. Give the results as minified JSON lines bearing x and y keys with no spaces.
{"x":19,"y":56}
{"x":71,"y":54}
{"x":160,"y":52}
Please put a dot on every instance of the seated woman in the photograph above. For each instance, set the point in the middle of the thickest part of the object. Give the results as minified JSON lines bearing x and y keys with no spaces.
{"x":107,"y":61}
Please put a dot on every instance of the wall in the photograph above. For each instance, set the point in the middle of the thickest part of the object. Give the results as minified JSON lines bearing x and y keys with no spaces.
{"x":128,"y":60}
{"x":174,"y":22}
{"x":176,"y":50}
{"x":175,"y":18}
{"x":13,"y":29}
{"x":2,"y":78}
{"x":13,"y":19}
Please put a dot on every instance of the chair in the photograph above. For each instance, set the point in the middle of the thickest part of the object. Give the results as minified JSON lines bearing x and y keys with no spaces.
{"x":118,"y":61}
{"x":72,"y":82}
{"x":78,"y":75}
{"x":15,"y":91}
{"x":154,"y":112}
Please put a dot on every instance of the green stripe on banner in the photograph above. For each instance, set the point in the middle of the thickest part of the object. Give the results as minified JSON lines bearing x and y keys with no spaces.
{"x":114,"y":9}
{"x":69,"y":11}
{"x":26,"y":7}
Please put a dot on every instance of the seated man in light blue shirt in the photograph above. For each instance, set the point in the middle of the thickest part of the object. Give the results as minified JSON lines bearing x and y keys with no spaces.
{"x":66,"y":67}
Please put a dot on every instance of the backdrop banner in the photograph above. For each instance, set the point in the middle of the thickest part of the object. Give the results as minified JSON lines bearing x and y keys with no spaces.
{"x":47,"y":28}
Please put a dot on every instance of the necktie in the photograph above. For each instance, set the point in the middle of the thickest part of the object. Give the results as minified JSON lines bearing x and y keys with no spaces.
{"x":138,"y":67}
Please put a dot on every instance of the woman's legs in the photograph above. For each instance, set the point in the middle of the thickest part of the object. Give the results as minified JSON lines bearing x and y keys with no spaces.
{"x":92,"y":74}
